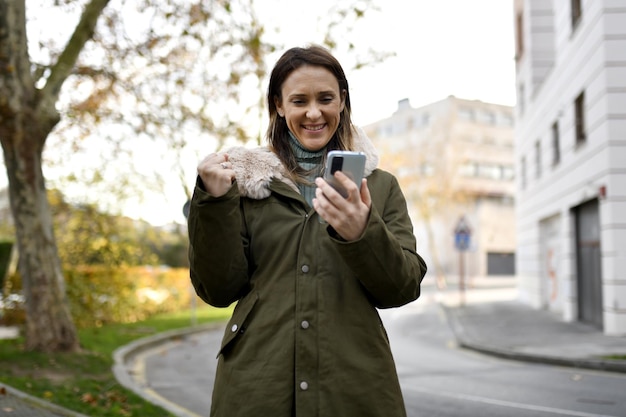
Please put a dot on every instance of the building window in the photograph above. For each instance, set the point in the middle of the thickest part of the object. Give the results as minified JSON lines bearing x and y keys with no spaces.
{"x":467,"y":114}
{"x":507,"y":120}
{"x":522,"y":173}
{"x":489,"y":171}
{"x":579,"y":115}
{"x":556,"y":151}
{"x":577,"y":12}
{"x":469,"y":169}
{"x":508,"y":173}
{"x":538,"y":159}
{"x":488,"y":117}
{"x":520,"y":99}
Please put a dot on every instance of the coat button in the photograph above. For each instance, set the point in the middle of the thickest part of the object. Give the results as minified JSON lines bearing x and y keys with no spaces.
{"x":305,"y":268}
{"x":304,"y":386}
{"x":304,"y":324}
{"x":234,"y":328}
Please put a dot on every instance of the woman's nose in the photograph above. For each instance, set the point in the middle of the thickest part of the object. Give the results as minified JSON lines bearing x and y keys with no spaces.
{"x":313,"y":112}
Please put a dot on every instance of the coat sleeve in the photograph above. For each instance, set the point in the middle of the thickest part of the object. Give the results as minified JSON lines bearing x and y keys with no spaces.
{"x":217,"y":247}
{"x":385,"y":259}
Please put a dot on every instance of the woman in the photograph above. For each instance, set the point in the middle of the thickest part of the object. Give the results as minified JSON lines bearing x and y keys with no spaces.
{"x":305,"y":338}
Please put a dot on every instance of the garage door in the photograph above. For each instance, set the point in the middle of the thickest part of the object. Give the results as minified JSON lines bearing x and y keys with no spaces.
{"x":500,"y":263}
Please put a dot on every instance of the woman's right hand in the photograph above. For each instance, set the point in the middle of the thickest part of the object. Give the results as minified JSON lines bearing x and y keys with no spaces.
{"x":216,"y":173}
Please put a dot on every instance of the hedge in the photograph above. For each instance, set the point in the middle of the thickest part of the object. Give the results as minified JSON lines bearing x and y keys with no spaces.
{"x":101,"y":295}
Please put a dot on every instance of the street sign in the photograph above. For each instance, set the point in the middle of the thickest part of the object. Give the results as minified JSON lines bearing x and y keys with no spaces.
{"x":462,"y":235}
{"x":462,"y":241}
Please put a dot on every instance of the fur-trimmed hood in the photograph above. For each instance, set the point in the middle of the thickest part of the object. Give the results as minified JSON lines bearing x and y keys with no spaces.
{"x":256,"y":167}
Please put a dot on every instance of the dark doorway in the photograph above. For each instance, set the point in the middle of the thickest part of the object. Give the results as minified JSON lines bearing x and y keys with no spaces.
{"x":589,"y":263}
{"x":499,"y":263}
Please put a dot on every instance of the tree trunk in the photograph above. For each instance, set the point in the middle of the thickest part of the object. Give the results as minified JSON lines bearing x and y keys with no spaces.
{"x":49,"y":325}
{"x":432,"y":247}
{"x":27,"y":116}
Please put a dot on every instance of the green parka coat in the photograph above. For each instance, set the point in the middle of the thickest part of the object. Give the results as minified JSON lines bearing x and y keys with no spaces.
{"x":305,"y":338}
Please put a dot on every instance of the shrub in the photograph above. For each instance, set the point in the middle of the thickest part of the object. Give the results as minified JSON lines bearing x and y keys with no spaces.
{"x":101,"y":295}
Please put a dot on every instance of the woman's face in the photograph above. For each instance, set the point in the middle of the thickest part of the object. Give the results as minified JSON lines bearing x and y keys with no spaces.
{"x":311,"y":104}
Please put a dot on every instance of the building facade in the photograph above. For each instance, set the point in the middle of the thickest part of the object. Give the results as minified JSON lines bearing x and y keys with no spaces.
{"x":454,"y":159}
{"x":570,"y":144}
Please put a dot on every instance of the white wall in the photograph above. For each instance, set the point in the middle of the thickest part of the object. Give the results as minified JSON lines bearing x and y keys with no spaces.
{"x":592,"y":58}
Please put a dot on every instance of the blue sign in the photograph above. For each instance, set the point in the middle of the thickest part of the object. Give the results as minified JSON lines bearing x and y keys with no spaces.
{"x":462,"y":241}
{"x":462,"y":233}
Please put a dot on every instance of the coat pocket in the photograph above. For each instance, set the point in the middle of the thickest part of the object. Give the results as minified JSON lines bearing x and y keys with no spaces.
{"x":238,"y":322}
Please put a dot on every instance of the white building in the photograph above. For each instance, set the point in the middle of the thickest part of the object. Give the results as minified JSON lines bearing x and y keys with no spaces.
{"x":570,"y":134}
{"x":454,"y":158}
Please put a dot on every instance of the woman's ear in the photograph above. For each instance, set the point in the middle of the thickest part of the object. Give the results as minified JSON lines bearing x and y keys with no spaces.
{"x":344,"y":94}
{"x":279,"y":108}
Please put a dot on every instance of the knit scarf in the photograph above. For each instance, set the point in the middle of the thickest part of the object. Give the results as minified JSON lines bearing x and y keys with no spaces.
{"x":311,"y":162}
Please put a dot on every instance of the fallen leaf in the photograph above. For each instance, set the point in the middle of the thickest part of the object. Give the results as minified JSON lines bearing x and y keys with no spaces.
{"x":88,"y":398}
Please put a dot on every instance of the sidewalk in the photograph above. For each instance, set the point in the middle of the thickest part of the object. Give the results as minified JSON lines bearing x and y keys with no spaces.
{"x":489,"y":319}
{"x":15,"y":403}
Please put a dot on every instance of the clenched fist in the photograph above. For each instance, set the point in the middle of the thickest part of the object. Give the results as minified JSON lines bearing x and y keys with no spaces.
{"x":216,"y":173}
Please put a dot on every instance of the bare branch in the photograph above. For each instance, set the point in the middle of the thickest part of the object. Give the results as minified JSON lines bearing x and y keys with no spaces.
{"x":65,"y":64}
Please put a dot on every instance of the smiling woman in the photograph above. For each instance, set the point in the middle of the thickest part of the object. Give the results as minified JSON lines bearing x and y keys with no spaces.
{"x":306,"y":290}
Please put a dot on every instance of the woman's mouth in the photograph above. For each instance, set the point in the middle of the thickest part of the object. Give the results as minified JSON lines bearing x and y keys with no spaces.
{"x":314,"y":128}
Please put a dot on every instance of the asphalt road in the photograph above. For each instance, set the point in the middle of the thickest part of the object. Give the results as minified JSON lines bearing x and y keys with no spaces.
{"x":438,"y":378}
{"x":441,"y":380}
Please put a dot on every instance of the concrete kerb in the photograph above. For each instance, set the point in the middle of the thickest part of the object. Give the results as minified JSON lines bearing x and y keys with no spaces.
{"x":39,"y":403}
{"x":583,"y":363}
{"x":123,"y":364}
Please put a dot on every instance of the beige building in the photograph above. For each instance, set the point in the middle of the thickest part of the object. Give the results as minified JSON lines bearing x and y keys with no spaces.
{"x":454,"y":158}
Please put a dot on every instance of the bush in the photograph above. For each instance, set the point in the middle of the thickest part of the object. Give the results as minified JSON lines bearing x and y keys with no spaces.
{"x":101,"y":295}
{"x":12,"y":301}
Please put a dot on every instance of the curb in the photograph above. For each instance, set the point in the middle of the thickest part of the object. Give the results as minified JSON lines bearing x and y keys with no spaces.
{"x":39,"y":403}
{"x":581,"y":363}
{"x":123,"y":364}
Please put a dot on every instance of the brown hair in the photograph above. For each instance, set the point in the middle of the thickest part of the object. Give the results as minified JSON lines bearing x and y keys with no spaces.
{"x":277,"y":131}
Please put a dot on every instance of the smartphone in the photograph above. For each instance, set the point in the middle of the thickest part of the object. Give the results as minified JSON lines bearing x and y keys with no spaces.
{"x":350,"y":163}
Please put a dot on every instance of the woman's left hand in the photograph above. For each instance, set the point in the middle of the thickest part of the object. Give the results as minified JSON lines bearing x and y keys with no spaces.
{"x":348,"y":216}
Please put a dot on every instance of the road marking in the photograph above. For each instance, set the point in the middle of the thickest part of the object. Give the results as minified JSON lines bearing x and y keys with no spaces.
{"x":510,"y":404}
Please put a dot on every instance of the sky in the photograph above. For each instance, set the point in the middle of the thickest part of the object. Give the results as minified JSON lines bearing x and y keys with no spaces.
{"x":444,"y":47}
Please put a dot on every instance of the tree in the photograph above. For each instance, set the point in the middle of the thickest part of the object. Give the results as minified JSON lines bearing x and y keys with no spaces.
{"x":27,"y":116}
{"x":146,"y":70}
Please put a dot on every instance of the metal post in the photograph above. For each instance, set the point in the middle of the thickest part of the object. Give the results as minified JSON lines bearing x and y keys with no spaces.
{"x":461,"y":278}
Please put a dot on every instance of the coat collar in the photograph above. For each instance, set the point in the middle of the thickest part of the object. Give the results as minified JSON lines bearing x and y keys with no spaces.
{"x":256,"y":168}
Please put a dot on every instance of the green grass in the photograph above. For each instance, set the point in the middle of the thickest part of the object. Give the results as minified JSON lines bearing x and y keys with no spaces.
{"x":616,"y":357}
{"x":84,"y":382}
